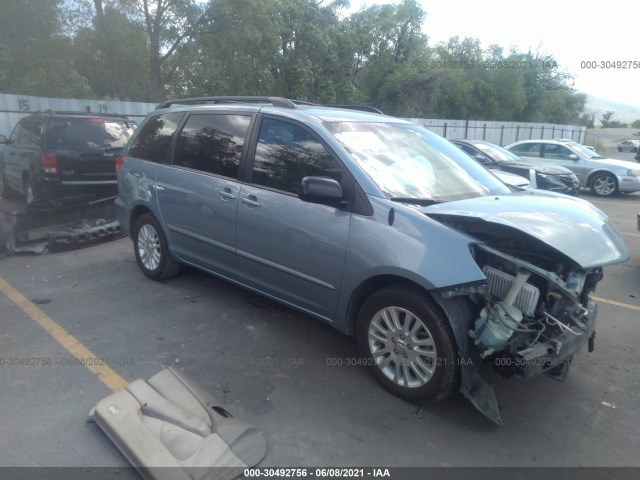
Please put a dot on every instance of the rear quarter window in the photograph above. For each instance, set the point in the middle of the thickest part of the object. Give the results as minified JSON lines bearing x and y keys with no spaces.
{"x":155,"y":137}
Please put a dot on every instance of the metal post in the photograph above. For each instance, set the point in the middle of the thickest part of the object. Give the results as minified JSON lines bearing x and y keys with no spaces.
{"x":466,"y":129}
{"x":518,"y":133}
{"x":484,"y":132}
{"x":542,"y":133}
{"x":445,"y":130}
{"x":502,"y":135}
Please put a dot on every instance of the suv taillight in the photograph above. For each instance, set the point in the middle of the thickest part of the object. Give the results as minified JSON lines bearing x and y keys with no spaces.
{"x":119,"y":162}
{"x":50,"y":163}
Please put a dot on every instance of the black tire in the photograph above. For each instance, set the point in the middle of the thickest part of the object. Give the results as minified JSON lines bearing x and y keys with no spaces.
{"x":604,"y":185}
{"x":635,"y":149}
{"x":619,"y":149}
{"x":150,"y":247}
{"x":388,"y":322}
{"x":5,"y":190}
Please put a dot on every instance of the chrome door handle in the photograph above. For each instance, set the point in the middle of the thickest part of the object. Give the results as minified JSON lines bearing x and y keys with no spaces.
{"x":226,"y":193}
{"x":251,"y":201}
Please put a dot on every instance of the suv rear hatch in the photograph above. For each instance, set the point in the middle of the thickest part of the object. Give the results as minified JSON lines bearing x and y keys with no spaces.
{"x":86,"y":147}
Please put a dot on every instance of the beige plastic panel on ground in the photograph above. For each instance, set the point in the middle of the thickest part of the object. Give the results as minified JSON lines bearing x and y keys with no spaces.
{"x":170,"y":428}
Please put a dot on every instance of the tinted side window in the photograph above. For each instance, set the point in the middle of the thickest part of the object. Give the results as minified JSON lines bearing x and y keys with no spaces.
{"x":286,"y":153}
{"x":212,"y":143}
{"x":557,"y":152}
{"x":473,"y":154}
{"x":155,"y":137}
{"x":15,"y":135}
{"x":29,"y":134}
{"x":527,"y":149}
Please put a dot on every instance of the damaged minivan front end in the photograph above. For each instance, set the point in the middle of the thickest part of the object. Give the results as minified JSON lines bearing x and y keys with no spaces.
{"x":542,"y":255}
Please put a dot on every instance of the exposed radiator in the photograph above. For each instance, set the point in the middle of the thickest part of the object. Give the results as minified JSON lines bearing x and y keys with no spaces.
{"x":499,"y":284}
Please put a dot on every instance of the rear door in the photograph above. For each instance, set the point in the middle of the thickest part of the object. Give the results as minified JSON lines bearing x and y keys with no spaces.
{"x":198,"y":193}
{"x":287,"y":248}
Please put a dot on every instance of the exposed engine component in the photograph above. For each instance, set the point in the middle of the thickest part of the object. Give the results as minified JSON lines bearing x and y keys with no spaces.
{"x":531,"y":318}
{"x":498,"y":321}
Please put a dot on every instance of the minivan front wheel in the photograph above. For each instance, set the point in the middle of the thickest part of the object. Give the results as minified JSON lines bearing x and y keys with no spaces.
{"x":408,"y":343}
{"x":152,"y":253}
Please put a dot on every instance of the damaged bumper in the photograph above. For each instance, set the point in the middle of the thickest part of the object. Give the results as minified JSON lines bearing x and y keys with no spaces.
{"x":551,"y":354}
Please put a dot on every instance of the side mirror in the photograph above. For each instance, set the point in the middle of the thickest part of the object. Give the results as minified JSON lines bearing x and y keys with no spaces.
{"x":573,"y":156}
{"x":322,"y":190}
{"x":3,"y":140}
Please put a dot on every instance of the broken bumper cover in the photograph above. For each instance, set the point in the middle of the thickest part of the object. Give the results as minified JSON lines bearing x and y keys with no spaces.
{"x":548,"y":355}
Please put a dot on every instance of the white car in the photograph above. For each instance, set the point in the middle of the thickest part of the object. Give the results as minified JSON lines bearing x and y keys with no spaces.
{"x":604,"y":176}
{"x":629,"y":146}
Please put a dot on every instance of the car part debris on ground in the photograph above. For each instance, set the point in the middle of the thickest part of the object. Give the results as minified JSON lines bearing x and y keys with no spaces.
{"x":56,"y":225}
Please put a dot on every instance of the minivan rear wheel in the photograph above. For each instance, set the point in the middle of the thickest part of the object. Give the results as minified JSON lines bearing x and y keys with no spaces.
{"x":408,"y":343}
{"x":152,"y":253}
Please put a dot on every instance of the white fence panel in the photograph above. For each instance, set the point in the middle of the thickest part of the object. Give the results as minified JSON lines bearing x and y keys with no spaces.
{"x":14,"y":107}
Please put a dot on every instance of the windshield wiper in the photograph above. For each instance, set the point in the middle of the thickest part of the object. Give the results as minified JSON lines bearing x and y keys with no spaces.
{"x":423,"y":202}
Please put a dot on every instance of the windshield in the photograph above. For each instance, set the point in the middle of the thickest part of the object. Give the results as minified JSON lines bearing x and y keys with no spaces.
{"x":497,"y":153}
{"x":584,"y":151}
{"x":408,"y":162}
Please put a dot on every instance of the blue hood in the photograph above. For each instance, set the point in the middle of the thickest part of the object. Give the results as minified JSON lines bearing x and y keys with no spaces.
{"x":570,"y":225}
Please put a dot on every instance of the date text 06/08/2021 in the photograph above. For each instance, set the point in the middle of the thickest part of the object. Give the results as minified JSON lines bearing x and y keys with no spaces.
{"x":324,"y":472}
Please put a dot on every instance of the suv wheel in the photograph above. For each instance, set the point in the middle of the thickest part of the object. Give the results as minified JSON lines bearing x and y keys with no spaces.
{"x":604,"y":185}
{"x":151,"y":250}
{"x":408,"y":343}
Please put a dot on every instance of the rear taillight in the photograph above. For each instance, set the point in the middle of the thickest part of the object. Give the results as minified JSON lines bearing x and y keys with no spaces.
{"x":50,"y":163}
{"x":119,"y":162}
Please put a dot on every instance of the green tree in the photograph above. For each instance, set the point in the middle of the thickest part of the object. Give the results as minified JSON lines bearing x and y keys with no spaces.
{"x":35,"y":55}
{"x":113,"y":56}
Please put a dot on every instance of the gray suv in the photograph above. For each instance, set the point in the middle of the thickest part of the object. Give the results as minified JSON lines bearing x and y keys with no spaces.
{"x":604,"y":176}
{"x":376,"y":226}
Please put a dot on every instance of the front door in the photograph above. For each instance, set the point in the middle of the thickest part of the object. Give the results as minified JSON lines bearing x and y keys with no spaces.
{"x":290,"y":249}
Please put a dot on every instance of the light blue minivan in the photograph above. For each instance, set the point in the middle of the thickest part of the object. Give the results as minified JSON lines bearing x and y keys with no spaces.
{"x":375,"y":225}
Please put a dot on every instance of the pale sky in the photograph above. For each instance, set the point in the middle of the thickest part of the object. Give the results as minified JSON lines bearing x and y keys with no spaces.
{"x":571,"y":31}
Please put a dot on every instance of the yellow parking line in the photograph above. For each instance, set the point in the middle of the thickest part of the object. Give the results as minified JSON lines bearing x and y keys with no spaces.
{"x":617,"y":304}
{"x":107,"y":376}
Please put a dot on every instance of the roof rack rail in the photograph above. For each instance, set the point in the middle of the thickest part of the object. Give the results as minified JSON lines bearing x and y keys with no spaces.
{"x":362,"y":108}
{"x":79,"y":113}
{"x":275,"y":101}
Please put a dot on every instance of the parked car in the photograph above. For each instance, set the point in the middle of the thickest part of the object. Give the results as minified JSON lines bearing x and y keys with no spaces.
{"x":629,"y":146}
{"x":511,"y":179}
{"x":375,"y":225}
{"x":547,"y":176}
{"x":56,"y":154}
{"x":604,"y":176}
